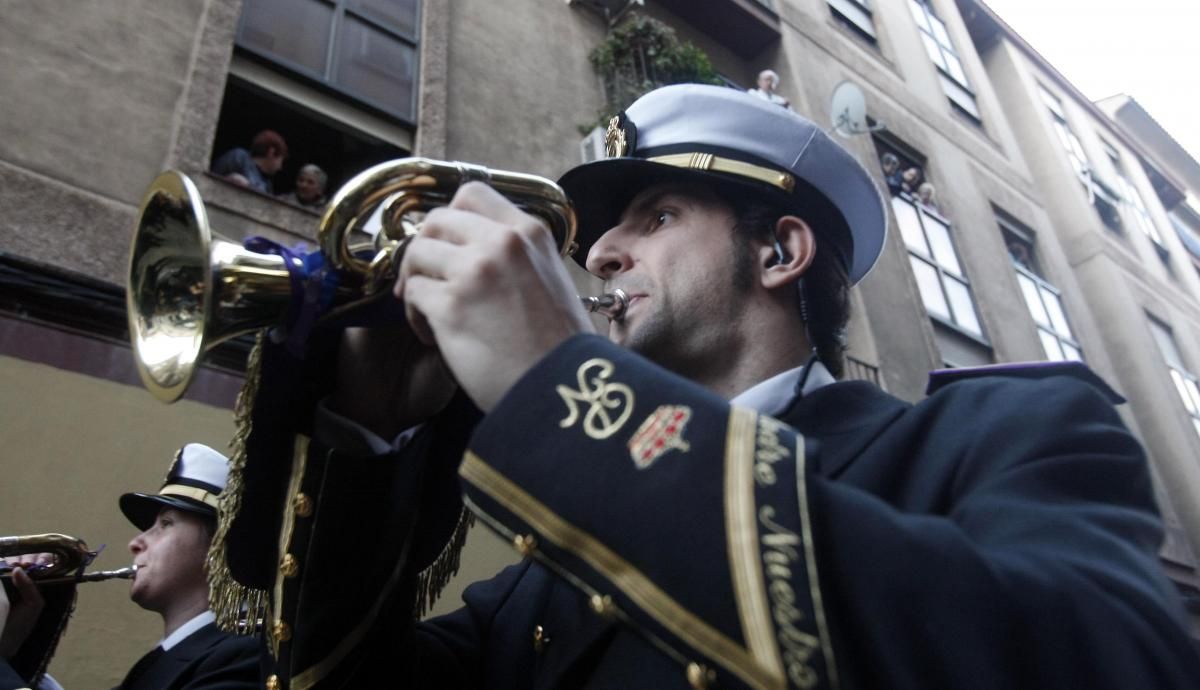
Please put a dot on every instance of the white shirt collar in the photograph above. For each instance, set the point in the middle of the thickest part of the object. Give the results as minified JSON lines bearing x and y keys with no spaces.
{"x":772,"y":397}
{"x":181,"y":633}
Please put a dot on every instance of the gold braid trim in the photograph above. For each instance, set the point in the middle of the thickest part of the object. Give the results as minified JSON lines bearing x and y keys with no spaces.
{"x":238,"y":608}
{"x":432,"y":580}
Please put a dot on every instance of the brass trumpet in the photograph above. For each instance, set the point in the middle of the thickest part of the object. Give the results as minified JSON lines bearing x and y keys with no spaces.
{"x":188,"y":291}
{"x":71,"y":556}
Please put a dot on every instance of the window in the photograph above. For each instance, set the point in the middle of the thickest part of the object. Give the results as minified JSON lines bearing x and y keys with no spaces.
{"x":340,"y":147}
{"x":1043,"y":300}
{"x":902,"y":169}
{"x":1133,"y":200}
{"x":855,"y":14}
{"x":1066,"y":137}
{"x":1100,"y":195}
{"x":1185,"y":382}
{"x":944,"y":287}
{"x":364,"y":49}
{"x":1189,"y":235}
{"x":941,"y":52}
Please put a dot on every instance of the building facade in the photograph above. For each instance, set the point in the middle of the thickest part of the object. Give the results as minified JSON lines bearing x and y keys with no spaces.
{"x":1054,"y":231}
{"x":1114,"y":200}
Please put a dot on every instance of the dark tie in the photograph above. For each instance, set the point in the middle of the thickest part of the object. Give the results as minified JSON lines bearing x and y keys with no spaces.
{"x":141,"y":667}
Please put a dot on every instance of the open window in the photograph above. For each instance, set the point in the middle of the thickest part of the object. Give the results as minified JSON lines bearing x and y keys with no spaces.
{"x":338,"y":148}
{"x":1133,"y":199}
{"x":335,"y":78}
{"x":941,"y":279}
{"x":1103,"y":196}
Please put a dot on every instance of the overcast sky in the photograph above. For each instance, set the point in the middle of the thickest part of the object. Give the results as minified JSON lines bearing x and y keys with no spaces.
{"x":1149,"y":49}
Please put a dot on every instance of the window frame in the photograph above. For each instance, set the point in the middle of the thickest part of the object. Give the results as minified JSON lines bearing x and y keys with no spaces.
{"x":1016,"y":233}
{"x":1132,"y":198}
{"x":1100,"y":195}
{"x":1186,"y":384}
{"x":1044,"y":287}
{"x":857,"y":15}
{"x":341,"y":9}
{"x":936,"y":39}
{"x":928,"y":256}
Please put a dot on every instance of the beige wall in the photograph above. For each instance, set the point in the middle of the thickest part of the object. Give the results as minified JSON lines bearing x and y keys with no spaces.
{"x":87,"y":120}
{"x":520,"y":84}
{"x":71,"y":445}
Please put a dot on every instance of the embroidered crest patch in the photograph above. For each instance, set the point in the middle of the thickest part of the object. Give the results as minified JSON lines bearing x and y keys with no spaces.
{"x":662,"y":431}
{"x":609,"y":404}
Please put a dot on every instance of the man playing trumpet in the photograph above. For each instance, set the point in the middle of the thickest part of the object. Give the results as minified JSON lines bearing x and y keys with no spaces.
{"x":177,"y":525}
{"x":700,"y":501}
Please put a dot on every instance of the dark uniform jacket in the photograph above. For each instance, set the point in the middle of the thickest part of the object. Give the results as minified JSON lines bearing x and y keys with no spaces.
{"x":1001,"y":533}
{"x":208,"y":659}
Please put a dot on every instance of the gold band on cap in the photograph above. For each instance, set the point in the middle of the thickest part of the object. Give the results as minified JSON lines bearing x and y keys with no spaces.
{"x":709,"y":162}
{"x":206,"y":497}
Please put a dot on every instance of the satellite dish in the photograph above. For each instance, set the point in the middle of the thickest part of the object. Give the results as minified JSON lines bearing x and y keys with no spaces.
{"x":848,"y":108}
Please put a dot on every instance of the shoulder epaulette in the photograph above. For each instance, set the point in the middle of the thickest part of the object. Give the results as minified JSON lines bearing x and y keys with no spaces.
{"x":940,"y":378}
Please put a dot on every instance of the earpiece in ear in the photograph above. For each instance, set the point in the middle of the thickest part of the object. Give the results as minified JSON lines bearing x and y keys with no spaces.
{"x":780,"y":255}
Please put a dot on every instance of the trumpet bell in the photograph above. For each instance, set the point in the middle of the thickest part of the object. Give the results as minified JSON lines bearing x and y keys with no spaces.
{"x":70,"y":553}
{"x":188,"y":291}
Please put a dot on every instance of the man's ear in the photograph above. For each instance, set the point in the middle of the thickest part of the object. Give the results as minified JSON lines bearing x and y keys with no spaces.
{"x":790,"y":255}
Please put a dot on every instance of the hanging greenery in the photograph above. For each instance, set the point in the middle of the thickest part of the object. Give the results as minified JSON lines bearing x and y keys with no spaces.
{"x":641,"y":55}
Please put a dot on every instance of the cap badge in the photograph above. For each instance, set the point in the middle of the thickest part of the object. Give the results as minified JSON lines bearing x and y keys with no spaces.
{"x":615,"y":143}
{"x":174,"y":466}
{"x":609,"y":403}
{"x":661,"y":432}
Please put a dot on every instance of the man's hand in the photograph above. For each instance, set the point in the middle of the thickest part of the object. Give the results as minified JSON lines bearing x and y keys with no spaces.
{"x":484,"y":281}
{"x":18,"y":618}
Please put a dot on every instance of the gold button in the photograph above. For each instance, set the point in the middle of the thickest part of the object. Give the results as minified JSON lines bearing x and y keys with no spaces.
{"x":289,"y":567}
{"x":540,"y":638}
{"x":699,"y":676}
{"x":601,"y":605}
{"x":525,"y":544}
{"x":303,"y":505}
{"x":281,"y":632}
{"x":273,"y":682}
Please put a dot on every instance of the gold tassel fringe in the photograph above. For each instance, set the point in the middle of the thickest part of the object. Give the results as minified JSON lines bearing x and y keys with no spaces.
{"x":432,"y":580}
{"x":238,"y":608}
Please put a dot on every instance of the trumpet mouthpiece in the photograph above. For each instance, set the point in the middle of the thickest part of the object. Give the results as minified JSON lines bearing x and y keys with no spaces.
{"x":612,"y":305}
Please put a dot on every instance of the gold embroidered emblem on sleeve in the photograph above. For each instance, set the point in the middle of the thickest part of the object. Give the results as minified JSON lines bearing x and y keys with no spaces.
{"x":661,"y":432}
{"x":609,"y":404}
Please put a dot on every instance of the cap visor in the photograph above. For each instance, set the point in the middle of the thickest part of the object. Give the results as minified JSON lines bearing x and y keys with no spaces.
{"x":143,"y":509}
{"x":601,"y":190}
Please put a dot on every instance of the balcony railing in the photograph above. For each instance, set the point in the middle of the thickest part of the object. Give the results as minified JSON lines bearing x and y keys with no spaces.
{"x":744,"y":26}
{"x":858,"y":370}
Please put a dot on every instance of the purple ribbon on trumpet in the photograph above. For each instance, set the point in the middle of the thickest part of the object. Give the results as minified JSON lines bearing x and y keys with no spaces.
{"x":313,"y":282}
